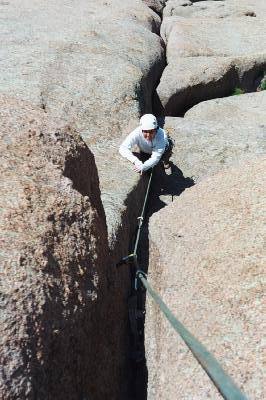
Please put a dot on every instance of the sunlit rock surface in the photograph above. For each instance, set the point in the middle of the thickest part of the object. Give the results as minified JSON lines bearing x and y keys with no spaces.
{"x":209,"y":56}
{"x":215,"y":8}
{"x":218,"y":133}
{"x":94,"y":66}
{"x":207,"y":262}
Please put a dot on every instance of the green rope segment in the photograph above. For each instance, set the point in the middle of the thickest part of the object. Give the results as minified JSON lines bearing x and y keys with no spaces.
{"x":221,"y":380}
{"x":142,"y":215}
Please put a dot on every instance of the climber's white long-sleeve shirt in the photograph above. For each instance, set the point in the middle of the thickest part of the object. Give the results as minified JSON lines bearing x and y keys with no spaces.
{"x":155,"y":147}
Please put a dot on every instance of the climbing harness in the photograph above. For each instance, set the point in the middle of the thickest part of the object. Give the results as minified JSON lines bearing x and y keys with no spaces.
{"x":136,"y":303}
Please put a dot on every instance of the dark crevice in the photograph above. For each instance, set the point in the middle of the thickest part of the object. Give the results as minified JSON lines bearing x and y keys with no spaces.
{"x":251,"y":80}
{"x":166,"y":186}
{"x":248,"y":82}
{"x":181,"y":102}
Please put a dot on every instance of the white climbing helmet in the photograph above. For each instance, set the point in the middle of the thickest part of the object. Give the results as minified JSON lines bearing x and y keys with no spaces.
{"x":148,"y":122}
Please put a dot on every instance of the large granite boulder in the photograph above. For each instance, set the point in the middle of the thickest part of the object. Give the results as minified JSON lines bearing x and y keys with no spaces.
{"x":54,"y":258}
{"x":215,"y":8}
{"x":218,"y":133}
{"x":206,"y":261}
{"x":95,"y":67}
{"x":92,"y":66}
{"x":198,"y":37}
{"x":210,"y":57}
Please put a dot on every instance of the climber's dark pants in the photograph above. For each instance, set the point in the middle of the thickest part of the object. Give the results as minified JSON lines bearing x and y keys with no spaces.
{"x":166,"y":155}
{"x":168,"y":151}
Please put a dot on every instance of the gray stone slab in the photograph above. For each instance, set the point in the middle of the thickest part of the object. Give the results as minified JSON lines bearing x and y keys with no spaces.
{"x":210,"y":57}
{"x":219,"y":133}
{"x":207,"y":263}
{"x":215,"y":8}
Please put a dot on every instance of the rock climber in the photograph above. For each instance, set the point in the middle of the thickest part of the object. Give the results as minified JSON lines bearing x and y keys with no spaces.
{"x":151,"y":140}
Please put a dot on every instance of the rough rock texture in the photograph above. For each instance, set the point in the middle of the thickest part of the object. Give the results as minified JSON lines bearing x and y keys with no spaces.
{"x":218,"y":133}
{"x":216,"y":9}
{"x":199,"y":37}
{"x":53,"y":261}
{"x":92,"y":66}
{"x":156,"y":5}
{"x":210,"y":57}
{"x":95,"y":67}
{"x":212,"y":281}
{"x":195,"y":79}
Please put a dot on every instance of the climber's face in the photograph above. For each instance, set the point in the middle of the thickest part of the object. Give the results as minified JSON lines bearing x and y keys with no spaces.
{"x":149,"y":135}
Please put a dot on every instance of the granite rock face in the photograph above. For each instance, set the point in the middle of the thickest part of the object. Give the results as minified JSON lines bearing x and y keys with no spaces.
{"x":95,"y":67}
{"x":156,"y":5}
{"x":216,"y":9}
{"x":218,"y":133}
{"x":53,"y":261}
{"x":209,"y":56}
{"x":213,"y":282}
{"x":206,"y":246}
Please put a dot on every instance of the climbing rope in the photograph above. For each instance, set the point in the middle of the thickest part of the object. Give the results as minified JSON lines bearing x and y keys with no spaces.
{"x":141,"y":218}
{"x":222,"y":381}
{"x":208,"y":362}
{"x":133,"y":257}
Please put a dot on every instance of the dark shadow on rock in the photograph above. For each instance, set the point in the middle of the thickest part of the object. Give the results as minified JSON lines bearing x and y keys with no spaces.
{"x":161,"y":121}
{"x":166,"y":186}
{"x":158,"y":108}
{"x":182,"y":100}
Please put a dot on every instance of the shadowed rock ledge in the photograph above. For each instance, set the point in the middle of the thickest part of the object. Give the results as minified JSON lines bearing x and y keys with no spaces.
{"x":53,"y":260}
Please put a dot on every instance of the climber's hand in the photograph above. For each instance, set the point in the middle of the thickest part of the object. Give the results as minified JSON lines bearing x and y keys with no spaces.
{"x":137,"y":168}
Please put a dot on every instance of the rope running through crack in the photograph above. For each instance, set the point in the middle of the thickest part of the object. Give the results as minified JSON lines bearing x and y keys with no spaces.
{"x":208,"y":362}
